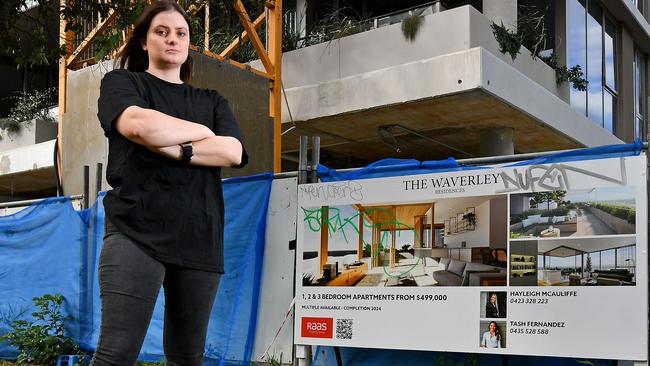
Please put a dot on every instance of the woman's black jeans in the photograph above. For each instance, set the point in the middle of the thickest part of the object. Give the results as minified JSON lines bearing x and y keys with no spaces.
{"x":129,"y":282}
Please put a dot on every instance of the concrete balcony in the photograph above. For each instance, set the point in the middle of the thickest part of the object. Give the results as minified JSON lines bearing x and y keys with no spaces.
{"x":448,"y":85}
{"x":27,"y":162}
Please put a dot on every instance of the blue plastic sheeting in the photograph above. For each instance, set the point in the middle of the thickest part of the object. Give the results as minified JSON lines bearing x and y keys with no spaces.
{"x":390,"y":167}
{"x":395,"y":167}
{"x":325,"y":356}
{"x":50,"y":248}
{"x":40,"y":248}
{"x":600,"y":152}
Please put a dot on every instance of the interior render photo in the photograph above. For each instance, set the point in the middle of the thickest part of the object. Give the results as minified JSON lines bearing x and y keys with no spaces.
{"x":446,"y":242}
{"x":595,"y":261}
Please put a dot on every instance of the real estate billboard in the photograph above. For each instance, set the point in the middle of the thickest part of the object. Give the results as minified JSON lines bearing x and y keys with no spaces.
{"x":542,"y":259}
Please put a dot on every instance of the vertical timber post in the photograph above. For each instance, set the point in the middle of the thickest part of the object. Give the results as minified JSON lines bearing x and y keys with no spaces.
{"x":65,"y":40}
{"x":274,"y":22}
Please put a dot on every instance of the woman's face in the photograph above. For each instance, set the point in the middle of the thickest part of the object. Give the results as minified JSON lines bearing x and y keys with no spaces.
{"x":493,"y":298}
{"x":168,"y":40}
{"x":493,"y":327}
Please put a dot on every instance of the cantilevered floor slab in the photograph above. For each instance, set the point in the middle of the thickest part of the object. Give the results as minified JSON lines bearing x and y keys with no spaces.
{"x":433,"y":109}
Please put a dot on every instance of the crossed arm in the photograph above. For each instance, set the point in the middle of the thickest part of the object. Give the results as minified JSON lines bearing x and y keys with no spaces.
{"x":163,"y":134}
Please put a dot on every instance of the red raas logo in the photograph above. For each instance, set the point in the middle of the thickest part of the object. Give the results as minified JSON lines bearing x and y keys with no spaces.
{"x":317,"y":327}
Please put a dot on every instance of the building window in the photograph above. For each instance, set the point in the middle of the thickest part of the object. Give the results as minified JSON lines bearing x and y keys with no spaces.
{"x":592,"y":45}
{"x":639,"y":94}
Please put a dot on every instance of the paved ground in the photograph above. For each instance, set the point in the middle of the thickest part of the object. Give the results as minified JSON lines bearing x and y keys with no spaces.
{"x":588,"y":224}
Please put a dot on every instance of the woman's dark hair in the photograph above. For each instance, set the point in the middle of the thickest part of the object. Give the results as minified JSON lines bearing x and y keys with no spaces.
{"x":496,"y":329}
{"x":137,"y":58}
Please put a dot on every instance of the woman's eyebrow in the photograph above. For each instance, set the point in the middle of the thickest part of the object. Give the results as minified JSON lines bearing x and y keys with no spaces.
{"x":166,"y":27}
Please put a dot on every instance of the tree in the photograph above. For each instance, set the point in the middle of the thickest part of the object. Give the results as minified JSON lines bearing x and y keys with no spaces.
{"x":31,"y":33}
{"x":588,"y":264}
{"x":27,"y":31}
{"x":547,"y":197}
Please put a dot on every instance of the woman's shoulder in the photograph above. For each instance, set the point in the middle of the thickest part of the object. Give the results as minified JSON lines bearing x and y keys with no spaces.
{"x":118,"y":75}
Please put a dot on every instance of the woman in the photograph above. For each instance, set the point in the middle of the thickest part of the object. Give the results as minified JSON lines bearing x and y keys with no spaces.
{"x":491,"y":338}
{"x":164,"y":215}
{"x":492,"y":307}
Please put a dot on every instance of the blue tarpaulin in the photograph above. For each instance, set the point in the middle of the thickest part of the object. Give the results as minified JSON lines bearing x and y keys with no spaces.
{"x":394,"y":167}
{"x":49,"y":247}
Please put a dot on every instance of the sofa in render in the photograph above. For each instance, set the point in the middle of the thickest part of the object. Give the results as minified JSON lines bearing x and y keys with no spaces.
{"x":453,"y":272}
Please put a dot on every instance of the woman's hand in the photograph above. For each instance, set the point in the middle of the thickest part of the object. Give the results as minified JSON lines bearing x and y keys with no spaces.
{"x":215,"y":151}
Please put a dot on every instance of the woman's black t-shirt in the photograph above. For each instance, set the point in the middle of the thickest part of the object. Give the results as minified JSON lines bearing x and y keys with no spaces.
{"x":173,"y":211}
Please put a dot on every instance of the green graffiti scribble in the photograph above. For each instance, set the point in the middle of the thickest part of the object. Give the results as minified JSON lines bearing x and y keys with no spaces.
{"x":337,"y":223}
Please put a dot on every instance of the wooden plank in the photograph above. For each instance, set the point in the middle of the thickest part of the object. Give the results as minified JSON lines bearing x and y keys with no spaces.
{"x":433,"y":230}
{"x":232,"y":62}
{"x":242,"y":37}
{"x":324,"y":237}
{"x":417,"y":243}
{"x":65,"y":39}
{"x":393,"y":241}
{"x":360,"y":247}
{"x":206,"y":34}
{"x":254,"y":37}
{"x":275,"y":100}
{"x":193,"y":9}
{"x":374,"y":251}
{"x":83,"y":46}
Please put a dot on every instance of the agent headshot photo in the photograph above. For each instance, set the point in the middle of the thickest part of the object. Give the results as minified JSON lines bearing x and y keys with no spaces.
{"x":493,"y":307}
{"x":493,"y":304}
{"x":492,"y":337}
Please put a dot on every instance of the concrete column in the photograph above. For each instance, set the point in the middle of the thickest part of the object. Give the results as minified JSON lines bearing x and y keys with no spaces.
{"x":497,"y":141}
{"x":501,"y":11}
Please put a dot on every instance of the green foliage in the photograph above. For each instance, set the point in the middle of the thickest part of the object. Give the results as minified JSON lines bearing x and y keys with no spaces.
{"x":366,"y":250}
{"x":574,"y":75}
{"x":25,"y":32}
{"x":145,"y":363}
{"x":509,"y":41}
{"x":335,"y":25}
{"x":516,"y":235}
{"x":588,"y":266}
{"x":546,"y":197}
{"x":411,"y":26}
{"x":531,"y":33}
{"x":469,"y":360}
{"x":28,"y":106}
{"x":622,"y":212}
{"x":272,"y":360}
{"x":42,"y":339}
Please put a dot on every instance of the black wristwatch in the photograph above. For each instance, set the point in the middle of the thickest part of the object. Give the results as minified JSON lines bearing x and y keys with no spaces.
{"x":187,"y":154}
